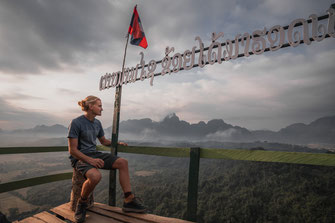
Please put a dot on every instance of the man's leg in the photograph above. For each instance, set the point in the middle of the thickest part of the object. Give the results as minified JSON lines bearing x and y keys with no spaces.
{"x":93,"y":177}
{"x":131,"y":203}
{"x":122,"y":165}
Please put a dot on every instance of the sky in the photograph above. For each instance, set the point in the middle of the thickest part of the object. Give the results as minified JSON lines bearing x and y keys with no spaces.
{"x":53,"y":54}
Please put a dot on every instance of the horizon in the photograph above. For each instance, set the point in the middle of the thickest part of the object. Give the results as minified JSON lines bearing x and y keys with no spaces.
{"x":55,"y":57}
{"x":169,"y":115}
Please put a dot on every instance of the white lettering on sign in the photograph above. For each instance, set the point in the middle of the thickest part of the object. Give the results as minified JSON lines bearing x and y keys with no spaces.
{"x":258,"y":42}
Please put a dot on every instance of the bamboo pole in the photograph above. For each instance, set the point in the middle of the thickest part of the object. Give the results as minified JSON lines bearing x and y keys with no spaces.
{"x":115,"y":132}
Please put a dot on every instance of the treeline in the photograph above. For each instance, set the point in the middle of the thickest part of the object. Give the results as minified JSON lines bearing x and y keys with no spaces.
{"x":239,"y":191}
{"x":229,"y":191}
{"x":267,"y":192}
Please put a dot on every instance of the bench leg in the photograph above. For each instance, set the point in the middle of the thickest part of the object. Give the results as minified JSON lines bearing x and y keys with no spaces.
{"x":77,"y":182}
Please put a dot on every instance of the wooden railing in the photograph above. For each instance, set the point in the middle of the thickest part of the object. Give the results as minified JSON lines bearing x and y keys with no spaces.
{"x":195,"y":154}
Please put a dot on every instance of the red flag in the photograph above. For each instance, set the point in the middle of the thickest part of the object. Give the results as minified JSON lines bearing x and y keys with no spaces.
{"x":136,"y":31}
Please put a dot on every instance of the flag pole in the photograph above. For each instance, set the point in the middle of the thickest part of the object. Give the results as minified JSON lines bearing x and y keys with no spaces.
{"x":115,"y":131}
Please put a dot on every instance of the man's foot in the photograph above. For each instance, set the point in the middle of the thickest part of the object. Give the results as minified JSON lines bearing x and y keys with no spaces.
{"x":80,"y":213}
{"x":135,"y":205}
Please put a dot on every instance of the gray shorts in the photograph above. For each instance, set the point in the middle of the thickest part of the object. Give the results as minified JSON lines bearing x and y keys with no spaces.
{"x":108,"y":159}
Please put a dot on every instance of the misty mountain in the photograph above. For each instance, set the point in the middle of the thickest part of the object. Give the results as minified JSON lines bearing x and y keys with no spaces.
{"x":172,"y":129}
{"x":321,"y":130}
{"x":40,"y":135}
{"x":42,"y":130}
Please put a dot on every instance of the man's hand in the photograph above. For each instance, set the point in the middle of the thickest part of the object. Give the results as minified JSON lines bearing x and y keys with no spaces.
{"x":98,"y":163}
{"x":122,"y":144}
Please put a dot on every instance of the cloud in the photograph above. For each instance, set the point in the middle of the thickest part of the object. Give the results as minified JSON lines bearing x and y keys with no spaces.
{"x":67,"y":91}
{"x":56,"y":35}
{"x":38,"y":35}
{"x":20,"y":96}
{"x":58,"y":50}
{"x":14,"y":118}
{"x":223,"y":135}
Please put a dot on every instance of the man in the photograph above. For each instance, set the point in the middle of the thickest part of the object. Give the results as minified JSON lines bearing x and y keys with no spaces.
{"x":83,"y":132}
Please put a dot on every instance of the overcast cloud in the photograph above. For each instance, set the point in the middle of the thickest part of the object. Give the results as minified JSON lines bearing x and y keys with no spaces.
{"x":54,"y":52}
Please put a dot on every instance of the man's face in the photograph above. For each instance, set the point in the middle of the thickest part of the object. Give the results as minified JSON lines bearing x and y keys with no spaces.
{"x":97,"y":108}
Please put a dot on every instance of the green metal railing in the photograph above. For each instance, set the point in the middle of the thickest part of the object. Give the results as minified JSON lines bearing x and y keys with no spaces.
{"x":194,"y":153}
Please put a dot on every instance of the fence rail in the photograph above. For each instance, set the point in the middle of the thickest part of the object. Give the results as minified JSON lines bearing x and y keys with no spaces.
{"x":15,"y":185}
{"x":194,"y":154}
{"x":321,"y":159}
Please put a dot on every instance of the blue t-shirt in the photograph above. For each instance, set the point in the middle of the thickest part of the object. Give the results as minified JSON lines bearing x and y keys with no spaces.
{"x":86,"y":132}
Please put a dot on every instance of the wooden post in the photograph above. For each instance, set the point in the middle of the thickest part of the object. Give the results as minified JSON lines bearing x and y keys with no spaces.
{"x":115,"y":132}
{"x":193,"y":178}
{"x":77,"y":183}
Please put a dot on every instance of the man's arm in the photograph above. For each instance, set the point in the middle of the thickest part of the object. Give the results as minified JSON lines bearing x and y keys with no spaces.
{"x":74,"y":151}
{"x":107,"y":142}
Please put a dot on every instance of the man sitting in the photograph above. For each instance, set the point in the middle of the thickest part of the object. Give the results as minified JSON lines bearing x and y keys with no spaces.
{"x":83,"y":132}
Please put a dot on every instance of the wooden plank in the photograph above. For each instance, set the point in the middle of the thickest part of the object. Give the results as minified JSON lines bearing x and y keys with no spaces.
{"x":147,"y":217}
{"x":65,"y":211}
{"x":47,"y":217}
{"x":92,"y":217}
{"x":115,"y":215}
{"x":31,"y":220}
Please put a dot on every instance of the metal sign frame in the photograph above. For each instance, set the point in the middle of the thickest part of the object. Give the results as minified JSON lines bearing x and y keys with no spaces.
{"x":243,"y":45}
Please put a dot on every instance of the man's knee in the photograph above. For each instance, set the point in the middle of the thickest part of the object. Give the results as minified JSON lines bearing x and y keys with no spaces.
{"x":120,"y":163}
{"x":93,"y":175}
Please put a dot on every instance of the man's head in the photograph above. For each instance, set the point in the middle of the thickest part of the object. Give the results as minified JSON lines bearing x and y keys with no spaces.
{"x":91,"y":104}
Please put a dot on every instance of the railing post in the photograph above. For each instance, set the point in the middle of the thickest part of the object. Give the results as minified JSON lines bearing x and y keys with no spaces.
{"x":193,"y":178}
{"x":112,"y":185}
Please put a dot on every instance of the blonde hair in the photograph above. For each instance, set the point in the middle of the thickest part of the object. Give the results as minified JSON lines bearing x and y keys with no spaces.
{"x":84,"y":104}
